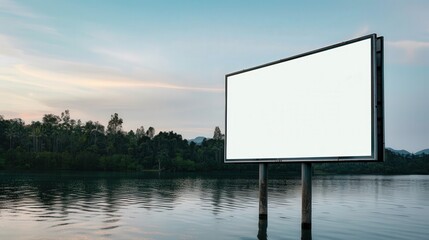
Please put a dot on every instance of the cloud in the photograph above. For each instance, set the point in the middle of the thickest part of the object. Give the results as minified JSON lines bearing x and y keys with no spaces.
{"x":41,"y":28}
{"x":104,"y":80}
{"x":364,"y":30}
{"x":119,"y":55}
{"x":163,"y":105}
{"x":410,"y":45}
{"x":13,"y":8}
{"x":39,"y":83}
{"x":8,"y":46}
{"x":144,"y":58}
{"x":410,"y":51}
{"x":95,"y":78}
{"x":47,"y":72}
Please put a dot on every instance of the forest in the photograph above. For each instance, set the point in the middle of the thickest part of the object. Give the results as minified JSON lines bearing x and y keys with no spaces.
{"x":61,"y":143}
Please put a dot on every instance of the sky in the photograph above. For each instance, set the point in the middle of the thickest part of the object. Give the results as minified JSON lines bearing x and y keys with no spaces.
{"x":163,"y":63}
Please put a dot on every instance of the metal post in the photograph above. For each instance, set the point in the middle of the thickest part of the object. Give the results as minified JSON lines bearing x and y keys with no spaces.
{"x":306,"y":196}
{"x":263,"y":192}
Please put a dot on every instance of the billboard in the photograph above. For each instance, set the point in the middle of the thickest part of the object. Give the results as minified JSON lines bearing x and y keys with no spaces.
{"x":324,"y":105}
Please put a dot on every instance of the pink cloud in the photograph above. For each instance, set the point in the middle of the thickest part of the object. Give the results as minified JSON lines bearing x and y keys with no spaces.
{"x":411,"y":50}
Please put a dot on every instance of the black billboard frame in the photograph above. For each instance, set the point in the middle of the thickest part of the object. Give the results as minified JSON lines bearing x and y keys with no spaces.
{"x":377,"y":107}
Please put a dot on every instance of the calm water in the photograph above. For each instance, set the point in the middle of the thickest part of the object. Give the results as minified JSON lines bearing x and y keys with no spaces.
{"x":136,"y":206}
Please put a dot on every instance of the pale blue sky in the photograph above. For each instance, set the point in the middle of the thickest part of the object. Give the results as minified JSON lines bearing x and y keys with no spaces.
{"x":162,"y":63}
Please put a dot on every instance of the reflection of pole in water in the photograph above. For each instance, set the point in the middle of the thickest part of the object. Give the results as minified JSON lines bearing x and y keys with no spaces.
{"x":306,"y":196}
{"x":305,"y":234}
{"x":262,"y":229}
{"x":263,"y":201}
{"x":263,"y":190}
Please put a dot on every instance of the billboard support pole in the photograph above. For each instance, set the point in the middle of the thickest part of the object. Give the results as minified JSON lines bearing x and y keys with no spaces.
{"x":263,"y":190}
{"x":306,"y":196}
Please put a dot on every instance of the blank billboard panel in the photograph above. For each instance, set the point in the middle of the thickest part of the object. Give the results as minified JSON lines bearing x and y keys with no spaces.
{"x":317,"y":106}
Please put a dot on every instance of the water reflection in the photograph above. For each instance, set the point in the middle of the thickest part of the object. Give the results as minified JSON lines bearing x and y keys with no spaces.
{"x":135,"y":206}
{"x":305,"y":234}
{"x":66,"y":201}
{"x":262,"y":229}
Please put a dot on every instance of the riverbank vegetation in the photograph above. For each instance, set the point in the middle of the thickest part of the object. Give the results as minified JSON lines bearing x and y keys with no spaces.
{"x":59,"y":142}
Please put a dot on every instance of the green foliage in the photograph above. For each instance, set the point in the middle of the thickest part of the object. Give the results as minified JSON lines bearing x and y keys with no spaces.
{"x":118,"y":162}
{"x":180,"y":164}
{"x":62,"y":143}
{"x":2,"y":163}
{"x":115,"y":124}
{"x":393,"y":164}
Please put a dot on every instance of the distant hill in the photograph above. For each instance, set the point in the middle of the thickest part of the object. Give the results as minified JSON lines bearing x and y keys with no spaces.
{"x":424,"y":151}
{"x":198,"y":140}
{"x":401,"y":152}
{"x":405,"y":153}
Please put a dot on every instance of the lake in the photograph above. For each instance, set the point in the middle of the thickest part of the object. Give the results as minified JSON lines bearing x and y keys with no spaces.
{"x":209,"y":206}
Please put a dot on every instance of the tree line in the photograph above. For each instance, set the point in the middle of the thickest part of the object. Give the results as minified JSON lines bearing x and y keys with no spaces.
{"x":59,"y":142}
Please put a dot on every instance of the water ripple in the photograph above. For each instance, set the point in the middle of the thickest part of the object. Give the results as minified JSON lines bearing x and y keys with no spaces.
{"x":99,"y":207}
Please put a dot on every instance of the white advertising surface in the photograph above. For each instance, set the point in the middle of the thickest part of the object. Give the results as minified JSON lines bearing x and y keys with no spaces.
{"x":313,"y":106}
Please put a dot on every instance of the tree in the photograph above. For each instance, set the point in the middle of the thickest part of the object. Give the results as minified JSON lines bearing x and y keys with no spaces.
{"x":50,"y":126}
{"x":15,"y":130}
{"x":150,"y":132}
{"x":140,"y":132}
{"x":217,"y":134}
{"x":36,"y":133}
{"x":162,"y":158}
{"x":65,"y":117}
{"x":3,"y":137}
{"x":64,"y":129}
{"x":93,"y":130}
{"x":115,"y":124}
